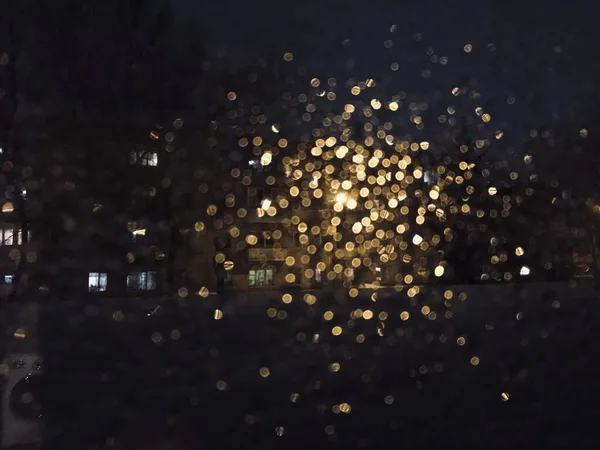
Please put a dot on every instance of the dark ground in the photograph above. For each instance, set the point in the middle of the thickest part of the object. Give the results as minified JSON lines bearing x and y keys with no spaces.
{"x":107,"y":385}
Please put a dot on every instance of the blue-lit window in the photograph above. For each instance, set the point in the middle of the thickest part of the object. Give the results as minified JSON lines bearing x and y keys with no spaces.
{"x":141,"y":281}
{"x":97,"y":281}
{"x":143,"y":158}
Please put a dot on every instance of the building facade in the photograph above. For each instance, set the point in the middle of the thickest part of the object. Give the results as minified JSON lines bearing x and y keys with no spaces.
{"x":142,"y":212}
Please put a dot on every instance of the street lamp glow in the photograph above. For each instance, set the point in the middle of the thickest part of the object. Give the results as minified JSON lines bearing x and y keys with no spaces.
{"x":341,"y":197}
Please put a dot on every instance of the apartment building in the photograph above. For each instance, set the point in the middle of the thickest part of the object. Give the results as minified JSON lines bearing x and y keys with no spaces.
{"x":96,"y":214}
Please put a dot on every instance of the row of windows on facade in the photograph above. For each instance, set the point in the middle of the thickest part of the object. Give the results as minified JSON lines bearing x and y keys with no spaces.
{"x":13,"y":236}
{"x":265,"y":276}
{"x":136,"y":281}
{"x":146,"y":281}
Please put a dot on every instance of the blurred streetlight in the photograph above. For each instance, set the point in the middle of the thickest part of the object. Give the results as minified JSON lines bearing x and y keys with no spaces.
{"x":342,"y":197}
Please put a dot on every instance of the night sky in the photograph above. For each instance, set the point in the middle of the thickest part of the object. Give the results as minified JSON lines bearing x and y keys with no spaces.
{"x":543,"y":53}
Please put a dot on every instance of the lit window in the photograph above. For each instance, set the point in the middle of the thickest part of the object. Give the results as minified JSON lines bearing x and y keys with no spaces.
{"x":261,"y":277}
{"x":430,"y":177}
{"x":7,"y":236}
{"x":20,"y":236}
{"x":97,"y":281}
{"x":318,"y":275}
{"x":144,"y":158}
{"x":141,"y":281}
{"x":269,"y":276}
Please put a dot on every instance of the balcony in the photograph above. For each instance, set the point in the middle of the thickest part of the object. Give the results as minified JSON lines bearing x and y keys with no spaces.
{"x":266,"y":254}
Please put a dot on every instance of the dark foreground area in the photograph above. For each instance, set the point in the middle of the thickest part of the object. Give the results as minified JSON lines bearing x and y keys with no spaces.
{"x":519,"y":373}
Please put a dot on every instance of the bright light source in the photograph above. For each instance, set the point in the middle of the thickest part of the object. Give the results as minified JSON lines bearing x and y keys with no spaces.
{"x":492,"y":191}
{"x":524,"y":271}
{"x":140,"y":232}
{"x":266,"y":203}
{"x":351,"y":204}
{"x":341,"y":197}
{"x":519,"y":251}
{"x":266,"y":158}
{"x":439,"y":271}
{"x":417,"y":239}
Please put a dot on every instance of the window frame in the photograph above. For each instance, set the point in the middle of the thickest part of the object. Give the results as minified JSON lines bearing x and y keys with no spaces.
{"x":143,"y":158}
{"x":318,"y":275}
{"x":145,"y":280}
{"x":5,"y":232}
{"x":101,"y":281}
{"x":13,"y":236}
{"x":261,"y":276}
{"x":252,"y":277}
